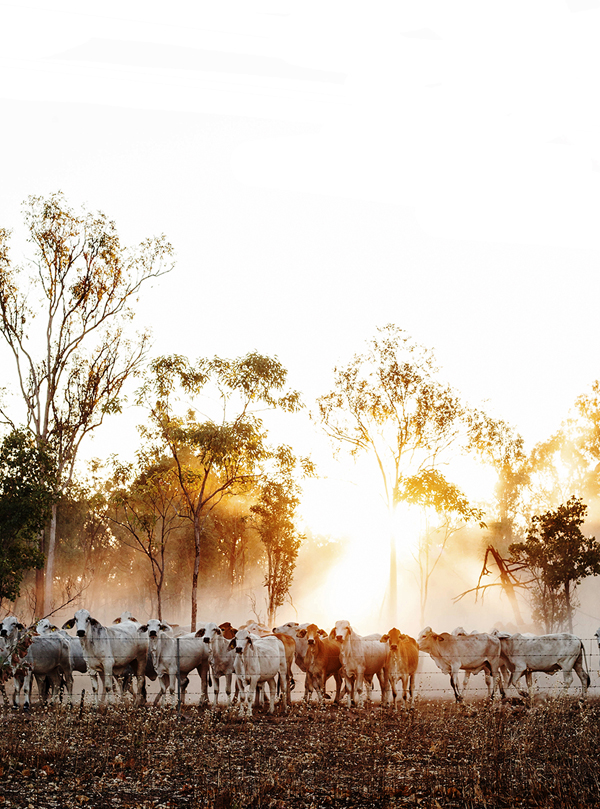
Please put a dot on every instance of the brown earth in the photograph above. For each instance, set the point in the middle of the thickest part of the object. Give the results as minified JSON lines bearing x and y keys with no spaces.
{"x":434,"y":755}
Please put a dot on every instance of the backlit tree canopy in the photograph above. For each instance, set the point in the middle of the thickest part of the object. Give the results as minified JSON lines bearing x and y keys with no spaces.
{"x":389,"y":404}
{"x":558,"y":556}
{"x":63,"y":317}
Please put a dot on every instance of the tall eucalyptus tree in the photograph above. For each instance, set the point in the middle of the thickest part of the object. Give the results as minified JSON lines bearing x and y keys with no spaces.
{"x":64,"y":317}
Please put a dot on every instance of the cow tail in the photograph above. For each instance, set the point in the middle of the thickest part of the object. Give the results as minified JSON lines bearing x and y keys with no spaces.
{"x":585,"y":668}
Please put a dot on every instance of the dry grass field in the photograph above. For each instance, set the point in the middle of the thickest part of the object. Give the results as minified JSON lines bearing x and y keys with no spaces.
{"x":434,"y":755}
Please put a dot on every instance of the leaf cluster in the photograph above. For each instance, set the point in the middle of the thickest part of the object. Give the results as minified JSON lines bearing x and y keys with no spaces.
{"x":27,"y":491}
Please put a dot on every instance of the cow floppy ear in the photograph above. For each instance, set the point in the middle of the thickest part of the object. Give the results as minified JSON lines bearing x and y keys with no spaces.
{"x":301,"y":633}
{"x":200,"y":633}
{"x":93,"y":621}
{"x":384,"y":638}
{"x":165,"y":628}
{"x":143,"y":628}
{"x":117,"y":620}
{"x":249,"y":639}
{"x":332,"y":634}
{"x":231,"y":646}
{"x":321,"y":633}
{"x":69,"y":624}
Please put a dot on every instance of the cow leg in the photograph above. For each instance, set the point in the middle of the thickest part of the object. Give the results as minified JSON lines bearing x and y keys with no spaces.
{"x":455,"y":683}
{"x":272,"y":688}
{"x":385,"y":687}
{"x":108,"y":682}
{"x":338,"y":686}
{"x":203,"y":672}
{"x":411,"y":687}
{"x":17,"y":685}
{"x":567,"y":678}
{"x":308,"y":686}
{"x":584,"y":677}
{"x":94,"y":683}
{"x":27,"y":681}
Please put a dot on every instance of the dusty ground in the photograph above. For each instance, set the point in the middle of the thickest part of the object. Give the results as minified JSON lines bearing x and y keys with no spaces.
{"x":435,"y":755}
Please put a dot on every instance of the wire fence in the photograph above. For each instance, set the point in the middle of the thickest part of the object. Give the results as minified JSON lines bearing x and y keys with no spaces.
{"x":430,"y":681}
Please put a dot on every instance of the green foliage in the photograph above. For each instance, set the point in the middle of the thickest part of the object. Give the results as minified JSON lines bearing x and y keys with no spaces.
{"x":27,"y":487}
{"x":72,"y":355}
{"x":430,"y":489}
{"x":558,"y":556}
{"x":274,"y":515}
{"x":222,"y":456}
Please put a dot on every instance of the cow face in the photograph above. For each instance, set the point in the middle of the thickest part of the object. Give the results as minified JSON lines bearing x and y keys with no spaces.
{"x":393,"y":638}
{"x":427,"y":639}
{"x":341,"y":631}
{"x":286,"y":629}
{"x":83,"y":621}
{"x":208,"y":632}
{"x":10,"y":626}
{"x":153,"y":627}
{"x":241,"y":641}
{"x":312,"y":633}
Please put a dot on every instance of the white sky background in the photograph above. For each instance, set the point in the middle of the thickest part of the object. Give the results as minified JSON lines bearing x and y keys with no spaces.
{"x":324,"y":168}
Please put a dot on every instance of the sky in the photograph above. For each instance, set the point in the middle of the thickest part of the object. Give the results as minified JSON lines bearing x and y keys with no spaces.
{"x":326,"y":168}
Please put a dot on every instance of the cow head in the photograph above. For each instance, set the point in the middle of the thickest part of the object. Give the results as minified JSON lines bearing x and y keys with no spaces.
{"x":83,"y":621}
{"x":208,"y":632}
{"x":341,"y":631}
{"x":393,"y":638}
{"x":428,"y":638}
{"x":10,"y":626}
{"x":312,"y":634}
{"x":153,"y":627}
{"x":241,"y":641}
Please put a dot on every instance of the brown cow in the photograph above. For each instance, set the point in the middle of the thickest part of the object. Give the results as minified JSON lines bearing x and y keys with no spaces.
{"x":322,"y":660}
{"x":402,"y":662}
{"x":290,"y":652}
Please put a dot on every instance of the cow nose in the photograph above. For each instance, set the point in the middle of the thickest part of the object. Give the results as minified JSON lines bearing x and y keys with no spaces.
{"x":81,"y":633}
{"x":153,"y":633}
{"x":339,"y":637}
{"x":206,"y":640}
{"x":4,"y":634}
{"x":311,"y":641}
{"x":394,"y":647}
{"x":238,"y":650}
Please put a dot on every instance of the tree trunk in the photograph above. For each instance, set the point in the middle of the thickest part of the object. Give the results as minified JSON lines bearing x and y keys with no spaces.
{"x":393,"y":600}
{"x":196,"y":571}
{"x":568,"y":602}
{"x":49,"y":572}
{"x":39,"y":581}
{"x":507,"y":584}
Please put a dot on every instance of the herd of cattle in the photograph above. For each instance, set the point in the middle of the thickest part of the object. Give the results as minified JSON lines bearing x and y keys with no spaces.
{"x":252,"y":656}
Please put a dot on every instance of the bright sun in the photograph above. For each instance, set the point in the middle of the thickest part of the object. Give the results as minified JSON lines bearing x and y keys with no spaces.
{"x":350,"y":506}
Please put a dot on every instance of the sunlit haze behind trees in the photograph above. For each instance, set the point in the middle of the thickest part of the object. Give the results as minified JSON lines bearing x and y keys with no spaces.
{"x":321,"y":173}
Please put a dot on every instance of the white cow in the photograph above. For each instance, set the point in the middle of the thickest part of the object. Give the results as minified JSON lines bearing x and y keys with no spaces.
{"x":458,"y":632}
{"x":220,"y":657}
{"x":108,"y":650}
{"x":45,"y":657}
{"x":45,"y":627}
{"x":257,"y":661}
{"x":361,"y":658}
{"x":167,"y":651}
{"x":470,"y":653}
{"x":523,"y":655}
